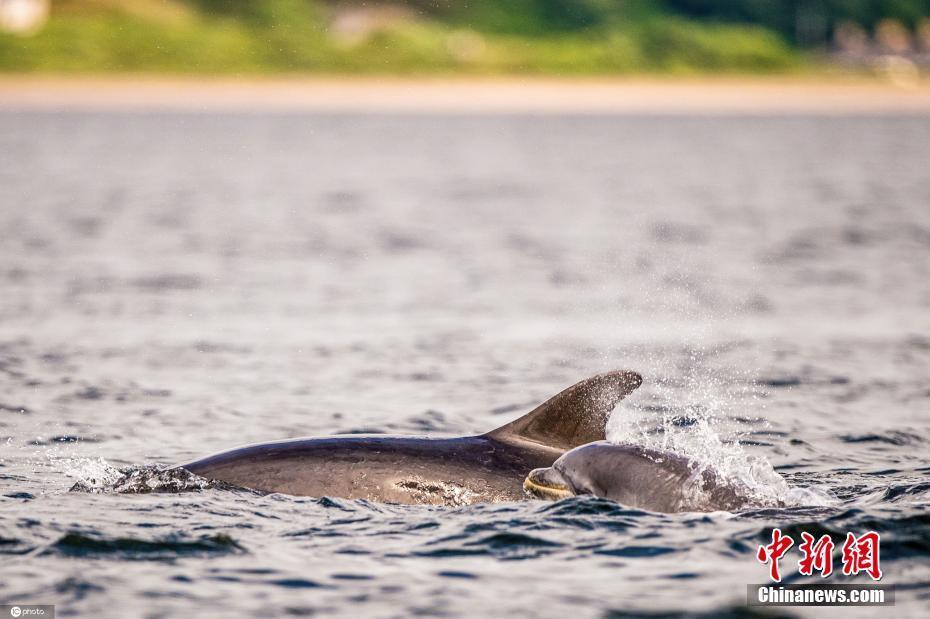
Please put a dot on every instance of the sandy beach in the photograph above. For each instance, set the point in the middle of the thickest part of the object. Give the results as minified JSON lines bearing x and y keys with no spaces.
{"x":749,"y":96}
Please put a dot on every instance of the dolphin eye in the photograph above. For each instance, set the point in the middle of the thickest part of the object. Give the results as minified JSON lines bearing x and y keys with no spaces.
{"x":577,"y":484}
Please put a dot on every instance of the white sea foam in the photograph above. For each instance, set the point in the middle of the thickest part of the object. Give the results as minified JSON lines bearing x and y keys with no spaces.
{"x":96,"y":475}
{"x":91,"y":474}
{"x":706,"y":430}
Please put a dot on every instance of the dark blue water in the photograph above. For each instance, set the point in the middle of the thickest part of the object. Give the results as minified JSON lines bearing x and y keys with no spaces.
{"x":176,"y":284}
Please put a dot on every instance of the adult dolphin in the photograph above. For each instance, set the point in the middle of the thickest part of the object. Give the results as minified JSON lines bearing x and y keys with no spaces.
{"x":434,"y":471}
{"x":637,"y":477}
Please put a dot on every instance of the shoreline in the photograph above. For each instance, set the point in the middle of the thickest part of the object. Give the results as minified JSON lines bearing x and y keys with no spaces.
{"x":505,"y":95}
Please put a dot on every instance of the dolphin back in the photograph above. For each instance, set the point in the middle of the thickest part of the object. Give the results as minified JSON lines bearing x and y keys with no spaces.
{"x":437,"y":471}
{"x":573,"y":417}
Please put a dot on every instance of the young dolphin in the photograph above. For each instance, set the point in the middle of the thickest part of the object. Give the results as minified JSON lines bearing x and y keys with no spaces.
{"x":636,"y":477}
{"x":435,"y":471}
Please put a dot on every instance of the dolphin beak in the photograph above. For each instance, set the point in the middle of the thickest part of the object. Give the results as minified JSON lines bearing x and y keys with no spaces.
{"x":547,"y":484}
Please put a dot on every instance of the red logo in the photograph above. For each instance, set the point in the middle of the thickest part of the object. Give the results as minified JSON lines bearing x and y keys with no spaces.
{"x":817,"y":556}
{"x":774,"y":551}
{"x":859,"y":554}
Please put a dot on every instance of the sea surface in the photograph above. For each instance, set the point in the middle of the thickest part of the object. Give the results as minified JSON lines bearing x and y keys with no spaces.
{"x":174,"y":284}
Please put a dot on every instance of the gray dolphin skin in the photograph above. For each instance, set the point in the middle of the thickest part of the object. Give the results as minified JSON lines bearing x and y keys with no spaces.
{"x":636,"y":477}
{"x":435,"y":471}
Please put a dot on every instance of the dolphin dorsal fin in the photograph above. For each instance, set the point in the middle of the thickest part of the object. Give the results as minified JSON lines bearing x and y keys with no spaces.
{"x":573,"y":417}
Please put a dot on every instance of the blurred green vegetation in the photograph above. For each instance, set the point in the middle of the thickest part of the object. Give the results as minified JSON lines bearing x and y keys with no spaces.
{"x":805,"y":22}
{"x":432,"y":36}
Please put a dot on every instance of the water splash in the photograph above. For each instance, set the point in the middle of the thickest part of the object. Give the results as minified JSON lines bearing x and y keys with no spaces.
{"x":91,"y":474}
{"x":97,"y":476}
{"x":708,"y":428}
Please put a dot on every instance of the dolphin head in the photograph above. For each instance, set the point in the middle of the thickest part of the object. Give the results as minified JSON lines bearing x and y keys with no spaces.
{"x":577,"y":472}
{"x":637,"y":477}
{"x":547,"y":483}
